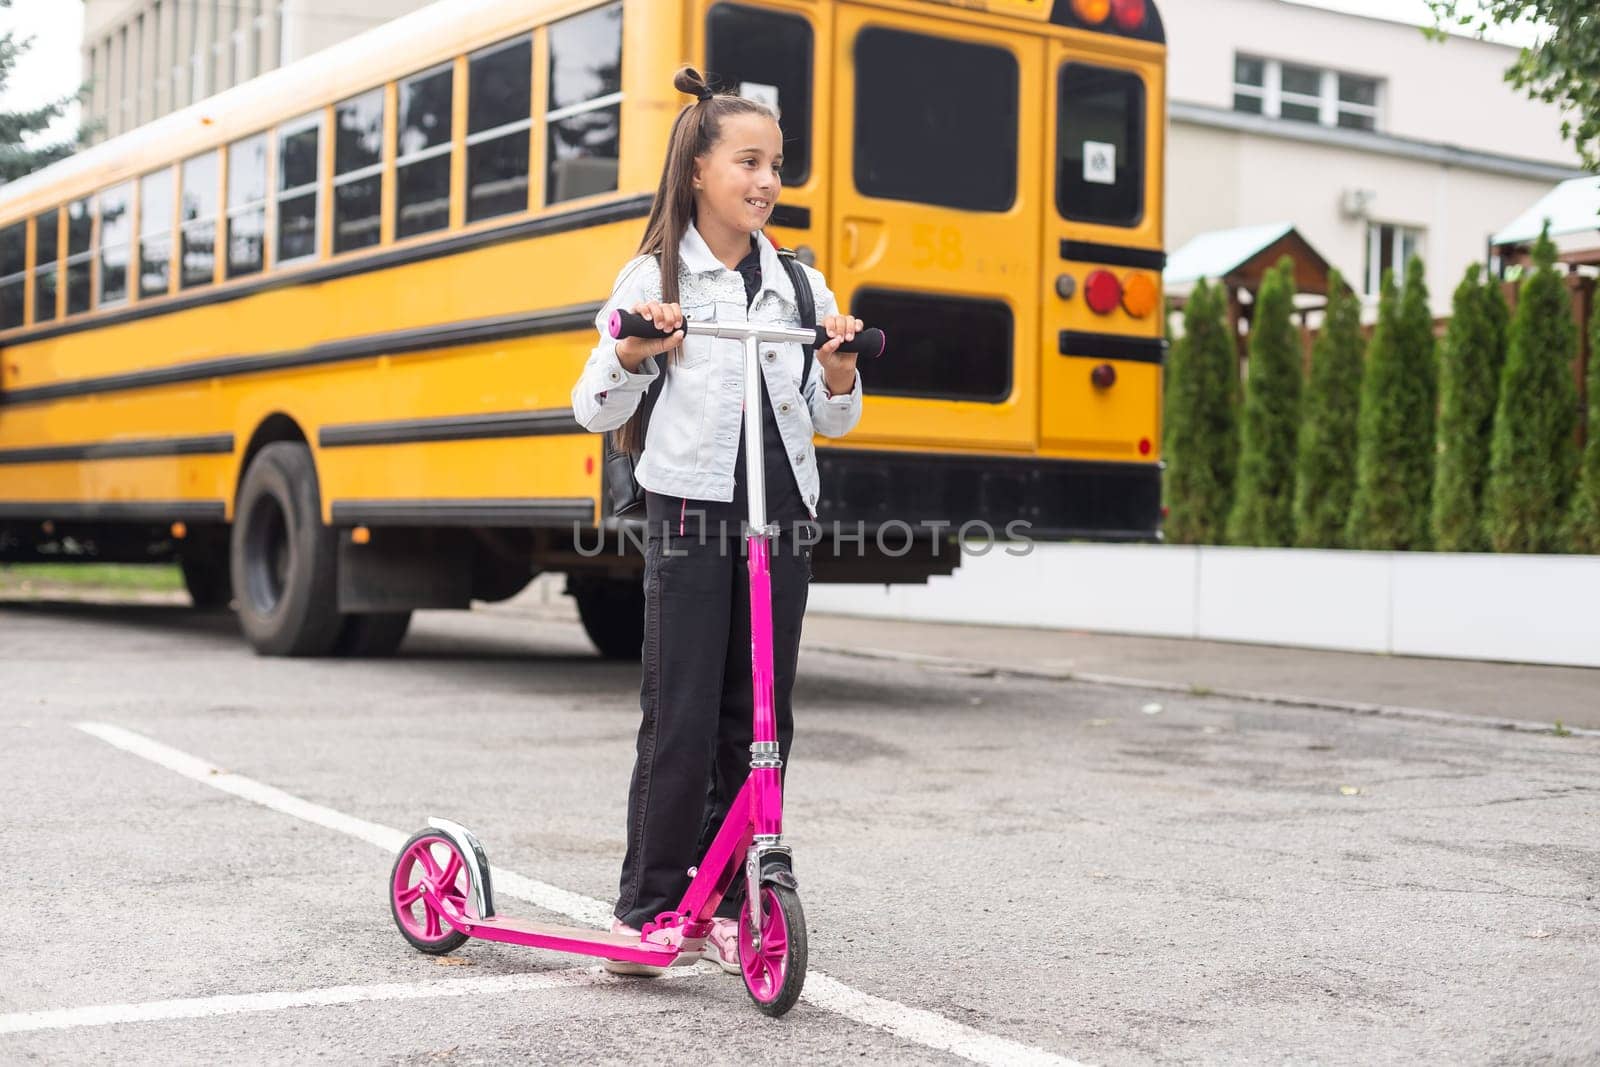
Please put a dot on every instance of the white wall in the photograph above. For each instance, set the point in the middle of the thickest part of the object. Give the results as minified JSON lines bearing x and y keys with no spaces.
{"x":1528,"y":609}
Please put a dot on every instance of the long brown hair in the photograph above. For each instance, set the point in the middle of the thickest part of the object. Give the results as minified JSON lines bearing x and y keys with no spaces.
{"x":695,"y":133}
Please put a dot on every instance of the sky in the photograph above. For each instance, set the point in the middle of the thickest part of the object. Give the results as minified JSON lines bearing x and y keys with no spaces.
{"x":54,"y":66}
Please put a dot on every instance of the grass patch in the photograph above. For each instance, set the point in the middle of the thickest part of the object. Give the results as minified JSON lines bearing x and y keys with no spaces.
{"x":137,"y":577}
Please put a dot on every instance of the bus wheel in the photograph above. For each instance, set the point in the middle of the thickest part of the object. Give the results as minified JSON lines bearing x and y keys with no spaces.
{"x":372,"y":636}
{"x":612,"y":611}
{"x":284,"y":561}
{"x":205,"y":575}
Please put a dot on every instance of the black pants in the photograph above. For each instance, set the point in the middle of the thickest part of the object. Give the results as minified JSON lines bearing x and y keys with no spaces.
{"x":694,"y":740}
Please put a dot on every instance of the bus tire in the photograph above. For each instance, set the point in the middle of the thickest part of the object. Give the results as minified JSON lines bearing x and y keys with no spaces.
{"x":207,"y":577}
{"x":284,"y":560}
{"x":612,"y":611}
{"x":372,"y":636}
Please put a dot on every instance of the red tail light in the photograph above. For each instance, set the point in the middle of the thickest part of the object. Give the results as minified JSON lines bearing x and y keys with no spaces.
{"x":1129,"y":14}
{"x":1103,"y":292}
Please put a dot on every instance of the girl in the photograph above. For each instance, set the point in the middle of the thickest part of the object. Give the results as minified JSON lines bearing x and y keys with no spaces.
{"x":704,"y":255}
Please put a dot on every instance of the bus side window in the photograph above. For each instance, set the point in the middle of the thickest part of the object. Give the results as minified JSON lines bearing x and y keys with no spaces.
{"x":761,"y":54}
{"x":13,"y":273}
{"x":247,"y":206}
{"x":299,"y":151}
{"x":499,"y":121}
{"x":47,"y":257}
{"x":358,"y":172}
{"x":116,"y":230}
{"x":198,"y":242}
{"x":585,"y":113}
{"x":422,"y":166}
{"x":1100,"y":145}
{"x":80,"y":256}
{"x":155,"y":233}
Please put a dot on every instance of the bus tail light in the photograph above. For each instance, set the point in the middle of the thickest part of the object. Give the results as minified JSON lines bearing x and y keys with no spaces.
{"x":1140,"y":295}
{"x":1103,"y":292}
{"x":1093,"y":12}
{"x":1129,"y":14}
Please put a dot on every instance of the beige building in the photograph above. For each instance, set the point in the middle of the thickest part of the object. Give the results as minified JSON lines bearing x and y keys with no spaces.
{"x":145,"y":58}
{"x":1369,"y":138}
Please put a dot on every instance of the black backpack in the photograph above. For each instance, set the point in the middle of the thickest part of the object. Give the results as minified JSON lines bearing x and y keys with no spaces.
{"x":623,"y":489}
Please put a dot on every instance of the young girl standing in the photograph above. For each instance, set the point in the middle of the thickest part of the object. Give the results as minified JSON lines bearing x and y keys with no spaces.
{"x":704,"y":255}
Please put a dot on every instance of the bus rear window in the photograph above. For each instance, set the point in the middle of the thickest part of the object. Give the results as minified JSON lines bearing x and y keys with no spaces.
{"x":946,"y":347}
{"x":1100,"y":145}
{"x":766,"y":55}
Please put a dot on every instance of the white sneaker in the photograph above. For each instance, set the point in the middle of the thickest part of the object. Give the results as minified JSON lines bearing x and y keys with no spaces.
{"x":644,"y":970}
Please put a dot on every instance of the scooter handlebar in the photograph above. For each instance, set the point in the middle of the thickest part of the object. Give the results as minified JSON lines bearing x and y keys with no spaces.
{"x":869,"y":342}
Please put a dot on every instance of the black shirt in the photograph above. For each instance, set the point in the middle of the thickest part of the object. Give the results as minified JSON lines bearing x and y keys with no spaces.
{"x":784,"y":505}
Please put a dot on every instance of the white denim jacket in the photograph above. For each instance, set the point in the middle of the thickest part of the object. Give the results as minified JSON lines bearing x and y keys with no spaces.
{"x":693,"y":436}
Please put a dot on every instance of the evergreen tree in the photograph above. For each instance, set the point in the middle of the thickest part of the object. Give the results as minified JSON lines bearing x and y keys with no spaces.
{"x":1263,"y":506}
{"x":1200,"y":424}
{"x":1394,"y":432}
{"x":1325,"y":473}
{"x":1584,"y":528}
{"x":1467,"y":392}
{"x":1532,"y":455}
{"x":16,"y":159}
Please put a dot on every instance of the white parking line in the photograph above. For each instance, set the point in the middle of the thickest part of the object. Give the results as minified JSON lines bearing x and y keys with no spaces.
{"x":925,"y":1028}
{"x":240,"y":1003}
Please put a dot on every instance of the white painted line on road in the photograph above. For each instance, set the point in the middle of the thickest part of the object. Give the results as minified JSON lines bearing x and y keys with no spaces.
{"x":241,"y":1003}
{"x":913,"y":1024}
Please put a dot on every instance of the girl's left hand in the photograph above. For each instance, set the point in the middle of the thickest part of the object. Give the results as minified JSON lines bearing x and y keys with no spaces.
{"x":839,"y":368}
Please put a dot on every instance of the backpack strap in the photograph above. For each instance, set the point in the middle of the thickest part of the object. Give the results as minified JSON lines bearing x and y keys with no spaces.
{"x":805,"y":302}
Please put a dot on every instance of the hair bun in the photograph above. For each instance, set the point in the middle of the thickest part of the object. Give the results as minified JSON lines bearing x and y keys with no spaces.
{"x":691,"y":81}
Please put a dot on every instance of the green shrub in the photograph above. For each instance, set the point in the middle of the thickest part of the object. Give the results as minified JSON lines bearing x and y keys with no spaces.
{"x":1263,"y":506}
{"x":1532,"y":455}
{"x":1325,"y":470}
{"x":1469,"y":359}
{"x":1584,"y":527}
{"x":1200,"y":425}
{"x":1394,"y":432}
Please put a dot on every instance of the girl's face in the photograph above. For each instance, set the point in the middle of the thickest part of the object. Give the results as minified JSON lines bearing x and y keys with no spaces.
{"x":737,"y":183}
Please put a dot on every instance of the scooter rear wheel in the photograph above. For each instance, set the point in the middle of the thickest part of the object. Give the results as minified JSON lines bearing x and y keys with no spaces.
{"x":774,"y":965}
{"x":428,"y":857}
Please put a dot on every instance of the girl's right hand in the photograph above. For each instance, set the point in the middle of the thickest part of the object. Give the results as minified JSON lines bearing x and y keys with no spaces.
{"x":633,"y":351}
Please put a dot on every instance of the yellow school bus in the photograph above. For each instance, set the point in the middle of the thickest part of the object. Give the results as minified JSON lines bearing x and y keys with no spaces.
{"x":314,"y":338}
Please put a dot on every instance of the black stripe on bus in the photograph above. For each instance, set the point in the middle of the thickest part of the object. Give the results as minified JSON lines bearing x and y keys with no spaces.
{"x":1113,"y":255}
{"x":524,"y":511}
{"x":791,"y":217}
{"x":554,"y":422}
{"x":622,"y":210}
{"x":1106,"y":346}
{"x":207,"y":445}
{"x":447,"y":335}
{"x":154,"y":511}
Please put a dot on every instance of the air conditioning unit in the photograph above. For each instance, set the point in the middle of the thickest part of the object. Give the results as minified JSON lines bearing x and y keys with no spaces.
{"x":1355,"y":203}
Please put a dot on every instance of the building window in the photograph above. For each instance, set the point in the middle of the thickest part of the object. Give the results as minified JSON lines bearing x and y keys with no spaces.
{"x":584,"y":121}
{"x":80,"y":255}
{"x":1389,"y":247}
{"x":155,"y":233}
{"x":358,"y":172}
{"x":13,"y":274}
{"x":116,"y":233}
{"x":917,"y":95}
{"x":422,"y":169}
{"x":247,"y":206}
{"x":47,"y":258}
{"x":499,"y":110}
{"x":200,"y":196}
{"x":299,"y":192}
{"x":1300,"y":93}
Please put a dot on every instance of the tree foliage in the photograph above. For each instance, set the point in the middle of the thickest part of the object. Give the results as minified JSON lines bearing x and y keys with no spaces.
{"x":16,"y":157}
{"x":1325,"y":470}
{"x":1201,"y":422}
{"x":1562,"y":69}
{"x":1263,"y":504}
{"x":1532,"y":454}
{"x":1394,"y":433}
{"x":1469,"y":365}
{"x":1584,"y":528}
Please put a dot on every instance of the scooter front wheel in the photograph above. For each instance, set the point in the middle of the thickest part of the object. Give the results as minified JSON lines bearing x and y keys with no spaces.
{"x":774,"y":963}
{"x":428,"y":858}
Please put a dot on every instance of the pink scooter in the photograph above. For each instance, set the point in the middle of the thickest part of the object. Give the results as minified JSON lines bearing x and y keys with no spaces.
{"x":439,"y":890}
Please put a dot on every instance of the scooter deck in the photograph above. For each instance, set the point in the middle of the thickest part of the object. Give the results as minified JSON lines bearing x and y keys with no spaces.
{"x":570,"y":939}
